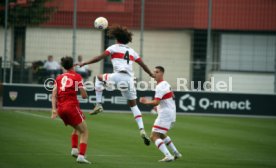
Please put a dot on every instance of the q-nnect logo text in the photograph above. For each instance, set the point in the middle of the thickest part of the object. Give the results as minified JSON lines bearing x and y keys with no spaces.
{"x":189,"y":103}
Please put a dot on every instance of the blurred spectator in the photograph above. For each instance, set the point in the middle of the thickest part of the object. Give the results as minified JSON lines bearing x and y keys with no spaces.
{"x":84,"y":70}
{"x":52,"y":67}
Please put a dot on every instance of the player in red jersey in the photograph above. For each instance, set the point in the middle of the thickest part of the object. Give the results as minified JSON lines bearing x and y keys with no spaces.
{"x":66,"y":106}
{"x":164,"y":100}
{"x":122,"y":58}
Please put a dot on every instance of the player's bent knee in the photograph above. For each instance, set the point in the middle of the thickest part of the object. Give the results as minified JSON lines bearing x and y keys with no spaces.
{"x":163,"y":136}
{"x":153,"y":136}
{"x":132,"y":103}
{"x":81,"y":128}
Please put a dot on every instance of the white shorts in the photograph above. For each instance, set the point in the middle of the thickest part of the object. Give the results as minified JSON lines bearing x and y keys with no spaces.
{"x":122,"y":81}
{"x":162,"y":126}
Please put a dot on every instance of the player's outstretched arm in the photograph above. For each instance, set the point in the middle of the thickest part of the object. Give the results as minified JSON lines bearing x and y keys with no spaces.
{"x":95,"y":59}
{"x":54,"y":103}
{"x":146,"y":101}
{"x":145,"y":68}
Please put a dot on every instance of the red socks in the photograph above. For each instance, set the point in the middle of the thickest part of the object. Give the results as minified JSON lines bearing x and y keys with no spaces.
{"x":74,"y":140}
{"x":82,"y":148}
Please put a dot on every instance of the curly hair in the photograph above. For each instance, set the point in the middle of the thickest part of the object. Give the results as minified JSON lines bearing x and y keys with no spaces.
{"x":120,"y":33}
{"x":67,"y":62}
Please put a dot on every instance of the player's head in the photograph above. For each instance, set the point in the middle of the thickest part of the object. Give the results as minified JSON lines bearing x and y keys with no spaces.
{"x":121,"y":34}
{"x":67,"y":62}
{"x":159,"y":73}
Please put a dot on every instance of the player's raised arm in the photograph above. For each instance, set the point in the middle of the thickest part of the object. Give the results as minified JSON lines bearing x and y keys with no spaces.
{"x":153,"y":102}
{"x":145,"y":68}
{"x":54,"y":102}
{"x":95,"y":59}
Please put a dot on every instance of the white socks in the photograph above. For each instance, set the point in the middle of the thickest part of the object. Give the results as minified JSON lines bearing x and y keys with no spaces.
{"x":99,"y":87}
{"x":162,"y":147}
{"x":137,"y":116}
{"x":169,"y":143}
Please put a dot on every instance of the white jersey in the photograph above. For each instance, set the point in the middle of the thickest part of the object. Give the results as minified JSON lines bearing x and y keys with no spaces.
{"x":166,"y":109}
{"x":122,"y":57}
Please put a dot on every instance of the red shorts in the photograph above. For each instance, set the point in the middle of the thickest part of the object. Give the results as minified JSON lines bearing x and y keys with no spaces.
{"x":71,"y":114}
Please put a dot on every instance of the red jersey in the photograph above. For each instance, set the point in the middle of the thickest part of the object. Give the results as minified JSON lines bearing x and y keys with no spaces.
{"x":67,"y":88}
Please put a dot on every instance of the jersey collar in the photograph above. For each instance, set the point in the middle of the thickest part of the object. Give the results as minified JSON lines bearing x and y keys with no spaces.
{"x":160,"y":81}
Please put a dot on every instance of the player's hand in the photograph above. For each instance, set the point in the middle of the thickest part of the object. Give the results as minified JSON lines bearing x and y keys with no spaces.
{"x":143,"y":100}
{"x":54,"y":114}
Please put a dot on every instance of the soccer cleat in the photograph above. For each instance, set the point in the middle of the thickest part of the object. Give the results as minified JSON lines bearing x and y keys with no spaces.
{"x":97,"y":109}
{"x":167,"y":159}
{"x":74,"y":152}
{"x":177,"y":155}
{"x":81,"y":159}
{"x":145,"y":137}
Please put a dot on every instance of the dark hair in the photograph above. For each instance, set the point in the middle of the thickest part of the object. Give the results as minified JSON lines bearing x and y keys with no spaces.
{"x":162,"y":69}
{"x":67,"y":62}
{"x":120,"y":33}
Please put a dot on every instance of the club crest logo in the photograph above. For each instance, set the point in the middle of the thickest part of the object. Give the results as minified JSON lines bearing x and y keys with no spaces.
{"x":13,"y":95}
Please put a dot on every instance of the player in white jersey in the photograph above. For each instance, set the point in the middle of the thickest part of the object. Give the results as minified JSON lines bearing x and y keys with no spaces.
{"x":122,"y":58}
{"x":164,"y":100}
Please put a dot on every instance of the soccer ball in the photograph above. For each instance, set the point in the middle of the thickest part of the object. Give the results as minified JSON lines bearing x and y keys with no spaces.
{"x":101,"y":23}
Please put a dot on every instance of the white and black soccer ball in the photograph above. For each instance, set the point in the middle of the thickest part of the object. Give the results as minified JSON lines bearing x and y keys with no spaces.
{"x":101,"y":23}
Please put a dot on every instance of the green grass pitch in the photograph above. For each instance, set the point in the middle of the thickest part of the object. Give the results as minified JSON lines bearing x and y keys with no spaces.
{"x":31,"y":139}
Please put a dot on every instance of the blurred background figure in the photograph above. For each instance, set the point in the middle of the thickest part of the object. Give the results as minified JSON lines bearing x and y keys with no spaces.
{"x":84,"y":70}
{"x":52,"y":67}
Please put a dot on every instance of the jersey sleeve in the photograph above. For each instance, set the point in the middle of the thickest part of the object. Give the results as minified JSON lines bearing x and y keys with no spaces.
{"x":137,"y":58}
{"x":110,"y":50}
{"x":160,"y":91}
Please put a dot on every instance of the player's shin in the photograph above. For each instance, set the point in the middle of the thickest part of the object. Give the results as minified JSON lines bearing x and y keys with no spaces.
{"x":170,"y":144}
{"x":137,"y":116}
{"x":83,"y":147}
{"x":74,"y":143}
{"x":99,"y":87}
{"x":162,"y":147}
{"x":74,"y":140}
